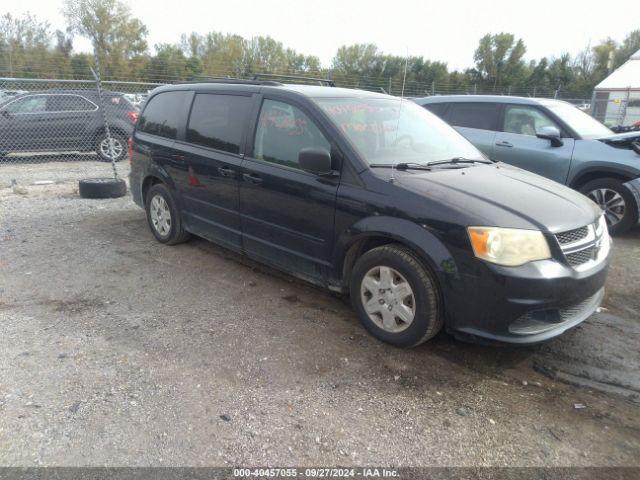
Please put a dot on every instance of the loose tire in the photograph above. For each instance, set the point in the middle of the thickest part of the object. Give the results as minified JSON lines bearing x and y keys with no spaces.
{"x":119,"y":146}
{"x":395,"y":296}
{"x":102,"y":188}
{"x":618,"y":203}
{"x":163,"y":216}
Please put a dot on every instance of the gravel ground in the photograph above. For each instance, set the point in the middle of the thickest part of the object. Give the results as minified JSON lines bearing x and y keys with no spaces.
{"x":26,"y":170}
{"x":120,"y":351}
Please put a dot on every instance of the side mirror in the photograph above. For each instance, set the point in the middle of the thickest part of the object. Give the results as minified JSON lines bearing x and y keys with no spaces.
{"x":552,"y":134}
{"x":316,"y":161}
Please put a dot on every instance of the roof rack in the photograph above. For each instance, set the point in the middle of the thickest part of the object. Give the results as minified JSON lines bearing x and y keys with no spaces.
{"x":321,"y":81}
{"x":238,"y":81}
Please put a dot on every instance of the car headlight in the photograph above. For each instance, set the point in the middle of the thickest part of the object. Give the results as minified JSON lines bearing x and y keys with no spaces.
{"x":601,"y":226}
{"x":508,"y":246}
{"x":602,"y":233}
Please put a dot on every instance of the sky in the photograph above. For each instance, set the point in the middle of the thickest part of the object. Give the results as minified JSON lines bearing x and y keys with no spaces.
{"x":447,"y":31}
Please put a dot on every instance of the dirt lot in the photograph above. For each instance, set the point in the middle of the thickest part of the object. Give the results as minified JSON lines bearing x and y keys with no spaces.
{"x":117,"y":350}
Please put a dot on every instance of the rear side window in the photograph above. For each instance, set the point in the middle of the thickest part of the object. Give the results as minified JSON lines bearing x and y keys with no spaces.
{"x":69,"y":103}
{"x":218,"y":121}
{"x":165,"y":114}
{"x":436,"y":108}
{"x":483,"y":116}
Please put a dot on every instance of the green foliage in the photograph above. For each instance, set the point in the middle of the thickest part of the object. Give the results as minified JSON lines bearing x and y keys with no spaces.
{"x":116,"y":37}
{"x":499,"y":59}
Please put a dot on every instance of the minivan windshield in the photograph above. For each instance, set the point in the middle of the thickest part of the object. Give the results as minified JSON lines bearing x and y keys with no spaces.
{"x":388,"y":131}
{"x":584,"y":125}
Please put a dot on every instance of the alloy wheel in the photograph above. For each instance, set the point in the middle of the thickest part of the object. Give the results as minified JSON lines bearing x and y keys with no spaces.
{"x":116,"y":144}
{"x":611,"y":203}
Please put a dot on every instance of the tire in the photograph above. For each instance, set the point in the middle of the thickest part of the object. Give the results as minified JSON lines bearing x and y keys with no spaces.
{"x":102,"y":188}
{"x":630,"y":217}
{"x":427,"y":316}
{"x":120,"y":146}
{"x":157,"y":214}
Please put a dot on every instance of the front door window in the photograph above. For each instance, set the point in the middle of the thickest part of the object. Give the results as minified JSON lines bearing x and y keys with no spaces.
{"x":525,"y":120}
{"x":283,"y":130}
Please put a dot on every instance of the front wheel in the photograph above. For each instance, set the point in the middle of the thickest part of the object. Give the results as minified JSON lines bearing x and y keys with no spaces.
{"x":118,"y":147}
{"x":395,"y":296}
{"x":616,"y":201}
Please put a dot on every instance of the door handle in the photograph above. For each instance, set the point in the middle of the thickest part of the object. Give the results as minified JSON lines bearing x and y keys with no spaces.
{"x":252,"y":178}
{"x":180,"y":158}
{"x":504,"y":143}
{"x":226,"y":172}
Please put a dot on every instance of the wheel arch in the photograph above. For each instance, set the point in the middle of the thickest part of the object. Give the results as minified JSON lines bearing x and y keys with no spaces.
{"x":154,"y":176}
{"x":113,"y":129}
{"x":595,"y":173}
{"x":377,"y":231}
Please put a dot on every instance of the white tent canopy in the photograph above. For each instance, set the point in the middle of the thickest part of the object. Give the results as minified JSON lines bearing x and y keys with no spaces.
{"x":625,"y":77}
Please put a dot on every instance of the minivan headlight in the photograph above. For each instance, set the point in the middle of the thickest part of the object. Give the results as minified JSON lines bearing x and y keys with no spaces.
{"x":508,"y":246}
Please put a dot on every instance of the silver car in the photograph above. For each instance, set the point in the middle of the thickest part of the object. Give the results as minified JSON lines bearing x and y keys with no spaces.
{"x":556,"y":140}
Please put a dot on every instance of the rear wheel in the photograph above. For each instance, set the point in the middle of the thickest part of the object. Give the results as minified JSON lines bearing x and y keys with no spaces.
{"x":395,"y":296}
{"x":616,"y":201}
{"x":118,"y":144}
{"x":163,"y":216}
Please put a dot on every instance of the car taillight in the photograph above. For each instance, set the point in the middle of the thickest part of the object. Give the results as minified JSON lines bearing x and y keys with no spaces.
{"x":133,"y":116}
{"x":130,"y":150}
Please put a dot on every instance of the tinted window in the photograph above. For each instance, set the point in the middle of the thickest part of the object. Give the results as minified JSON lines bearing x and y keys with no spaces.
{"x":525,"y":120}
{"x":31,"y":104}
{"x":437,"y":108}
{"x":283,"y":130}
{"x":68,"y":103}
{"x":217,"y":121}
{"x":473,"y":115}
{"x":165,"y":113}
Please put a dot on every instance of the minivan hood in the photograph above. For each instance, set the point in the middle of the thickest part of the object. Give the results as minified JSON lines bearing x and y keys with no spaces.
{"x":503,"y":196}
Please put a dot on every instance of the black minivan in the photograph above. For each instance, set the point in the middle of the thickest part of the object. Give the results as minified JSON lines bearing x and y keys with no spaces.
{"x":374,"y":196}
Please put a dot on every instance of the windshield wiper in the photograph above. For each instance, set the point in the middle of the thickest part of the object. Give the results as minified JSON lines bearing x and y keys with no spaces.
{"x":402,"y":166}
{"x":456,"y":160}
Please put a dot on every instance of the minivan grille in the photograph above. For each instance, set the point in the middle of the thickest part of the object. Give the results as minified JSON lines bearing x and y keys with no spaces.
{"x":572,"y":236}
{"x":539,"y":321}
{"x":580,"y":246}
{"x":581,"y":256}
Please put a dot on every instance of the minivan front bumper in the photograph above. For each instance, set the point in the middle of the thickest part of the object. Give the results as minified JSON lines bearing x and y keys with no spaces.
{"x":524,"y":305}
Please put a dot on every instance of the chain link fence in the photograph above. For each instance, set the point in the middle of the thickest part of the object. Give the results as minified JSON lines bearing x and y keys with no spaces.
{"x":56,"y":130}
{"x":618,"y":109}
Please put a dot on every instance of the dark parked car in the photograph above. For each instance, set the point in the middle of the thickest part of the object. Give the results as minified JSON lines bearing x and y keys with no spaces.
{"x":66,"y":120}
{"x":369,"y":195}
{"x":554,"y":139}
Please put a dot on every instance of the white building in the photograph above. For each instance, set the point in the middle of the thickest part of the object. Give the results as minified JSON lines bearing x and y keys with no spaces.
{"x":616,"y":100}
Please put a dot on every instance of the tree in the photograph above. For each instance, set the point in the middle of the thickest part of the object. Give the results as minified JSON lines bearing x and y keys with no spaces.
{"x":116,"y":36}
{"x":499,"y":59}
{"x":359,"y":59}
{"x":630,"y":45}
{"x":24,"y":43}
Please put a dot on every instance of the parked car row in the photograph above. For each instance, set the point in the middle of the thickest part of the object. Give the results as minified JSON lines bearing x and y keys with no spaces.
{"x":66,"y":120}
{"x":375,"y":197}
{"x":556,"y":140}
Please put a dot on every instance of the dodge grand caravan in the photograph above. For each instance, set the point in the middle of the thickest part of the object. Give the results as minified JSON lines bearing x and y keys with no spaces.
{"x":370,"y":195}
